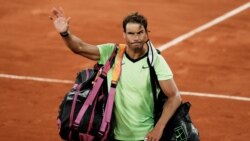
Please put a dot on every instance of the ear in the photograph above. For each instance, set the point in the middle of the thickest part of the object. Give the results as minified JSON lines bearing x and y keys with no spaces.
{"x":146,"y":37}
{"x":124,"y":35}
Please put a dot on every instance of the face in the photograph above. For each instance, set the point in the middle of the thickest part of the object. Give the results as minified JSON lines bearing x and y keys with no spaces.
{"x":135,"y":35}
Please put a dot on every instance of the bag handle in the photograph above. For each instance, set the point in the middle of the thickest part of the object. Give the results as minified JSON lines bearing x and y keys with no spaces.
{"x":95,"y":89}
{"x":154,"y":78}
{"x":111,"y":96}
{"x":117,"y":68}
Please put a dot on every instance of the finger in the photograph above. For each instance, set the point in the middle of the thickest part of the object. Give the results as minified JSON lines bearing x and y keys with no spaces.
{"x":153,"y":139}
{"x":68,"y":19}
{"x":57,"y":12}
{"x":54,"y":11}
{"x":60,"y":12}
{"x":51,"y":18}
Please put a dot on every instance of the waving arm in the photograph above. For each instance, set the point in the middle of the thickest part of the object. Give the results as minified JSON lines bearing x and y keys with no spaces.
{"x":75,"y":44}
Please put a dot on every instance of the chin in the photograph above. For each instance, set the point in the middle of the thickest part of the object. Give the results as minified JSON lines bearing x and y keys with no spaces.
{"x":138,"y":47}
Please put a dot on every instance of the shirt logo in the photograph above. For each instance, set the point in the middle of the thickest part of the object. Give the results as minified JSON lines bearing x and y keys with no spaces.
{"x":144,"y":67}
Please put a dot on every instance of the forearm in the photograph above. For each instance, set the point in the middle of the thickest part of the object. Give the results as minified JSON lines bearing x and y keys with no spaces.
{"x":73,"y":43}
{"x":61,"y":24}
{"x":169,"y":109}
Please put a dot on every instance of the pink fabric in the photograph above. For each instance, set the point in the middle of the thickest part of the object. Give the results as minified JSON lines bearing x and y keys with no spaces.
{"x":86,"y":137}
{"x":74,"y":105}
{"x":77,"y":87}
{"x":89,"y":101}
{"x":108,"y":110}
{"x":92,"y":117}
{"x":59,"y":123}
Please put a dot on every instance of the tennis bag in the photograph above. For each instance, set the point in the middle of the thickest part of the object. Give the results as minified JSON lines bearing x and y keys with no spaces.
{"x":180,"y":126}
{"x":85,"y":112}
{"x":72,"y":103}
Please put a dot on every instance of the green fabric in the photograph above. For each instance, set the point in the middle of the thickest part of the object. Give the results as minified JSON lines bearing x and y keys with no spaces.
{"x":134,"y":99}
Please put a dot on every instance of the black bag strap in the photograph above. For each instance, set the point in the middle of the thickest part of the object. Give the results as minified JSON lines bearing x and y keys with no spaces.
{"x":153,"y":77}
{"x":182,"y":110}
{"x":154,"y":84}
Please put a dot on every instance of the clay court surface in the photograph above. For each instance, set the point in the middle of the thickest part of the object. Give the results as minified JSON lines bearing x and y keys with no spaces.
{"x":215,"y":61}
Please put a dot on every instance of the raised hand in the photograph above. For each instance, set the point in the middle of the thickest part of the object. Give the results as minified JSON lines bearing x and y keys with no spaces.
{"x":60,"y":22}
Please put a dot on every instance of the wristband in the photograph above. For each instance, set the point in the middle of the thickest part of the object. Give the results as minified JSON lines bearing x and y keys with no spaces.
{"x":64,"y":34}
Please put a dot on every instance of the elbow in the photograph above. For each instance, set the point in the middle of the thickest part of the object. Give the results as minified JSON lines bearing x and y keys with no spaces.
{"x":76,"y":50}
{"x":179,"y":100}
{"x":176,"y":97}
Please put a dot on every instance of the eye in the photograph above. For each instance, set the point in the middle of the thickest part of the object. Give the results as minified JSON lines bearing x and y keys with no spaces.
{"x":130,"y":33}
{"x":141,"y":32}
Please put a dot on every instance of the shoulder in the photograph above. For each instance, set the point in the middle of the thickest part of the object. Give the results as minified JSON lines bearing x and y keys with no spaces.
{"x":106,"y":47}
{"x":105,"y":51}
{"x":162,"y":68}
{"x":160,"y":60}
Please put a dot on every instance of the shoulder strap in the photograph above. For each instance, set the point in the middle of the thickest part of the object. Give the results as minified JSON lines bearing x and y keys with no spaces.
{"x":154,"y":80}
{"x":117,"y":68}
{"x":152,"y":52}
{"x":109,"y":62}
{"x":111,"y":96}
{"x":95,"y":88}
{"x":154,"y":83}
{"x":151,"y":61}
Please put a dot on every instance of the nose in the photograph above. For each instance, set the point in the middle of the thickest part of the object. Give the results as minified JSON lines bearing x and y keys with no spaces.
{"x":136,"y":37}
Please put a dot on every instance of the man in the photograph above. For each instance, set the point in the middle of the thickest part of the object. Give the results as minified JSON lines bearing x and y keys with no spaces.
{"x":134,"y":103}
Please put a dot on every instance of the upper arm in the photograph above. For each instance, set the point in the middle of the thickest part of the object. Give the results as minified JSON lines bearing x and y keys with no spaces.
{"x":105,"y":51}
{"x":81,"y":48}
{"x":165,"y":77}
{"x":100,"y":53}
{"x":169,"y":88}
{"x":89,"y":51}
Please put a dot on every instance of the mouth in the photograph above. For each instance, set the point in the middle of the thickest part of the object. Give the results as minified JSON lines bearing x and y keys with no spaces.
{"x":136,"y":43}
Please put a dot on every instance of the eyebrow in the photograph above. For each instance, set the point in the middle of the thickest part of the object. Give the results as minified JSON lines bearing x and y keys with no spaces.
{"x":136,"y":32}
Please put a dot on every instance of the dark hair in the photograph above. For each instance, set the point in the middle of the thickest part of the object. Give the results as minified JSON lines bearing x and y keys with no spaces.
{"x":135,"y":18}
